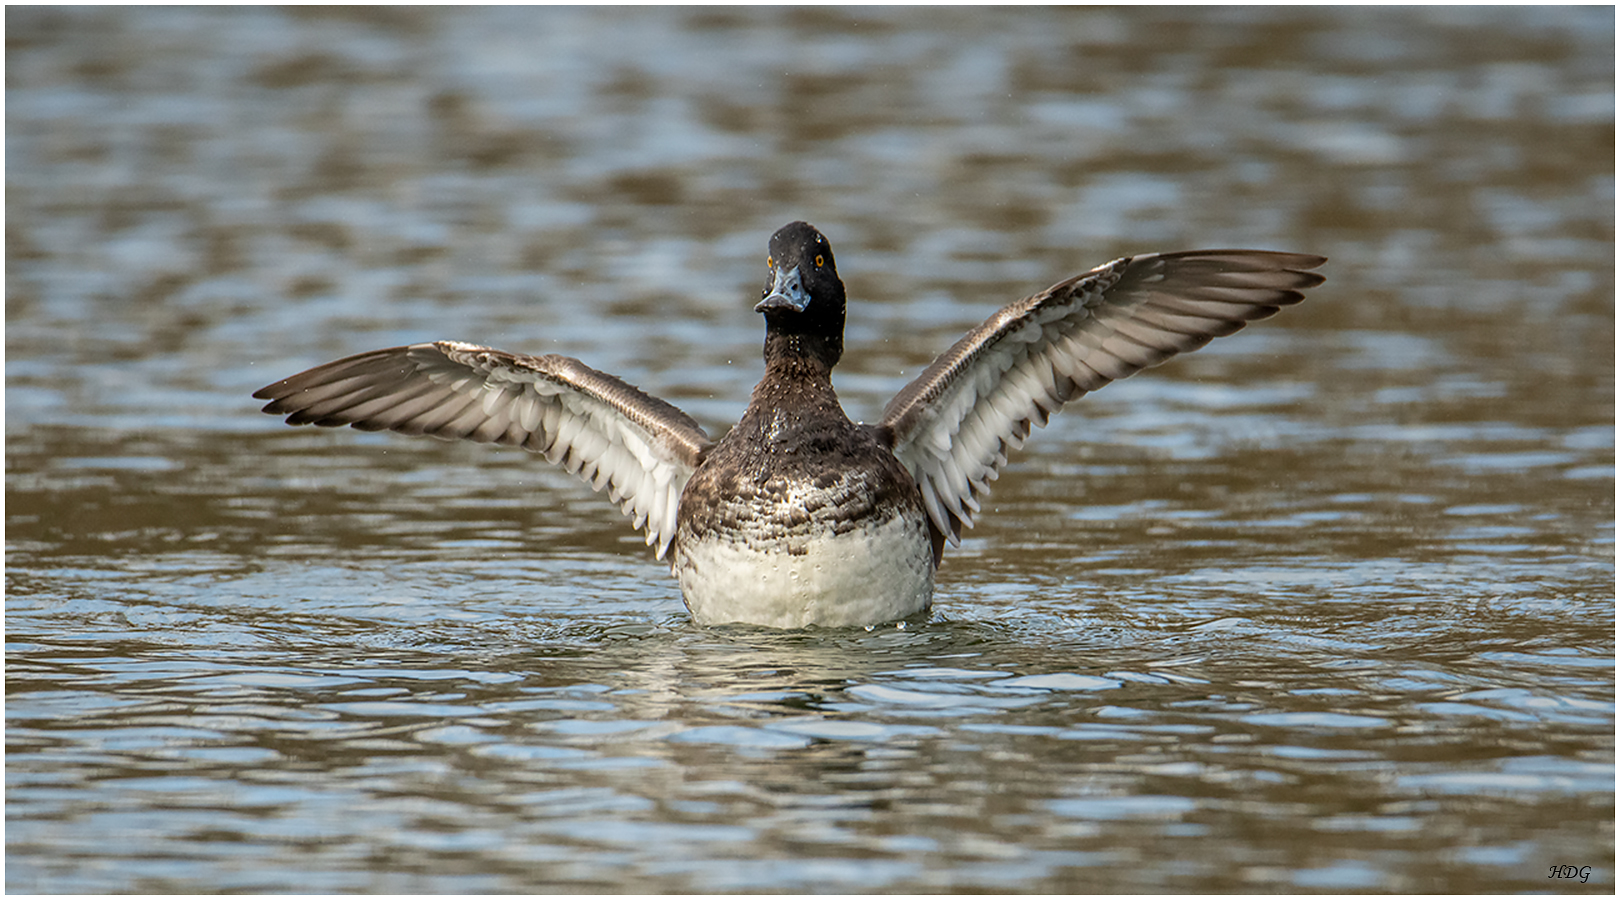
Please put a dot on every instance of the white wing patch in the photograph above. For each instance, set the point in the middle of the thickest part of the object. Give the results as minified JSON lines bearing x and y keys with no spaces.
{"x":602,"y":430}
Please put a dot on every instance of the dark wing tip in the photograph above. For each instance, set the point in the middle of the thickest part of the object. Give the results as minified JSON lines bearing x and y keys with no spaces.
{"x":307,"y":398}
{"x":276,"y":393}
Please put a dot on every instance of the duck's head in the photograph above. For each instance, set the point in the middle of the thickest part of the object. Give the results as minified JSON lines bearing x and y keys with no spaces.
{"x":804,"y":297}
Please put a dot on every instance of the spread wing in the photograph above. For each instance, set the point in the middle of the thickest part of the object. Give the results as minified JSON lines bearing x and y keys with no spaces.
{"x":601,"y":429}
{"x":953,"y":425}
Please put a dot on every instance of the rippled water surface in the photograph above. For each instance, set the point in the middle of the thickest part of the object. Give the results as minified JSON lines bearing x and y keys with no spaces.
{"x":1328,"y":605}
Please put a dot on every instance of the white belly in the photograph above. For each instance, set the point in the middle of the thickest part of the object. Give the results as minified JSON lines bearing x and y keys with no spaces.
{"x":864,"y":576}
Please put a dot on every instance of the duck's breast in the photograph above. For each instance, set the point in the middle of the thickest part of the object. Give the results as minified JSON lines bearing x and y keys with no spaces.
{"x":766,"y":540}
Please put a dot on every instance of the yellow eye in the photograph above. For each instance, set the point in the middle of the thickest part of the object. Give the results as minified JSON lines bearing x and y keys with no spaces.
{"x":770,"y":263}
{"x":820,"y":260}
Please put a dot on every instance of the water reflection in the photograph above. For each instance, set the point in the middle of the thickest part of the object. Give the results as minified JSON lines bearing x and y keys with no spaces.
{"x":804,"y":753}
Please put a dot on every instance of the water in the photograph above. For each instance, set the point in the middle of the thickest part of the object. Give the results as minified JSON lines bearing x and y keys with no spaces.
{"x":1327,"y":606}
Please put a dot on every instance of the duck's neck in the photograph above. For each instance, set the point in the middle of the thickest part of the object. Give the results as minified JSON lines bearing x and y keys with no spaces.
{"x":798,"y":382}
{"x":801,"y":355}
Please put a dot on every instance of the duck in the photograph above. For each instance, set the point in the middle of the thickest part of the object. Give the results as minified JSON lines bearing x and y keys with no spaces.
{"x":798,"y":516}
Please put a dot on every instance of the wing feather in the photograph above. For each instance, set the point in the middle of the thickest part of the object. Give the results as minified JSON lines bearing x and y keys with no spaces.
{"x":954,"y":425}
{"x":608,"y":433}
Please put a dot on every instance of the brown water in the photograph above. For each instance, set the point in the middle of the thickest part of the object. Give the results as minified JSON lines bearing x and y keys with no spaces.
{"x":1328,"y":605}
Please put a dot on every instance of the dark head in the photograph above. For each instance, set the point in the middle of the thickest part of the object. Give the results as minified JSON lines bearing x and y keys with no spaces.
{"x":804,"y":298}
